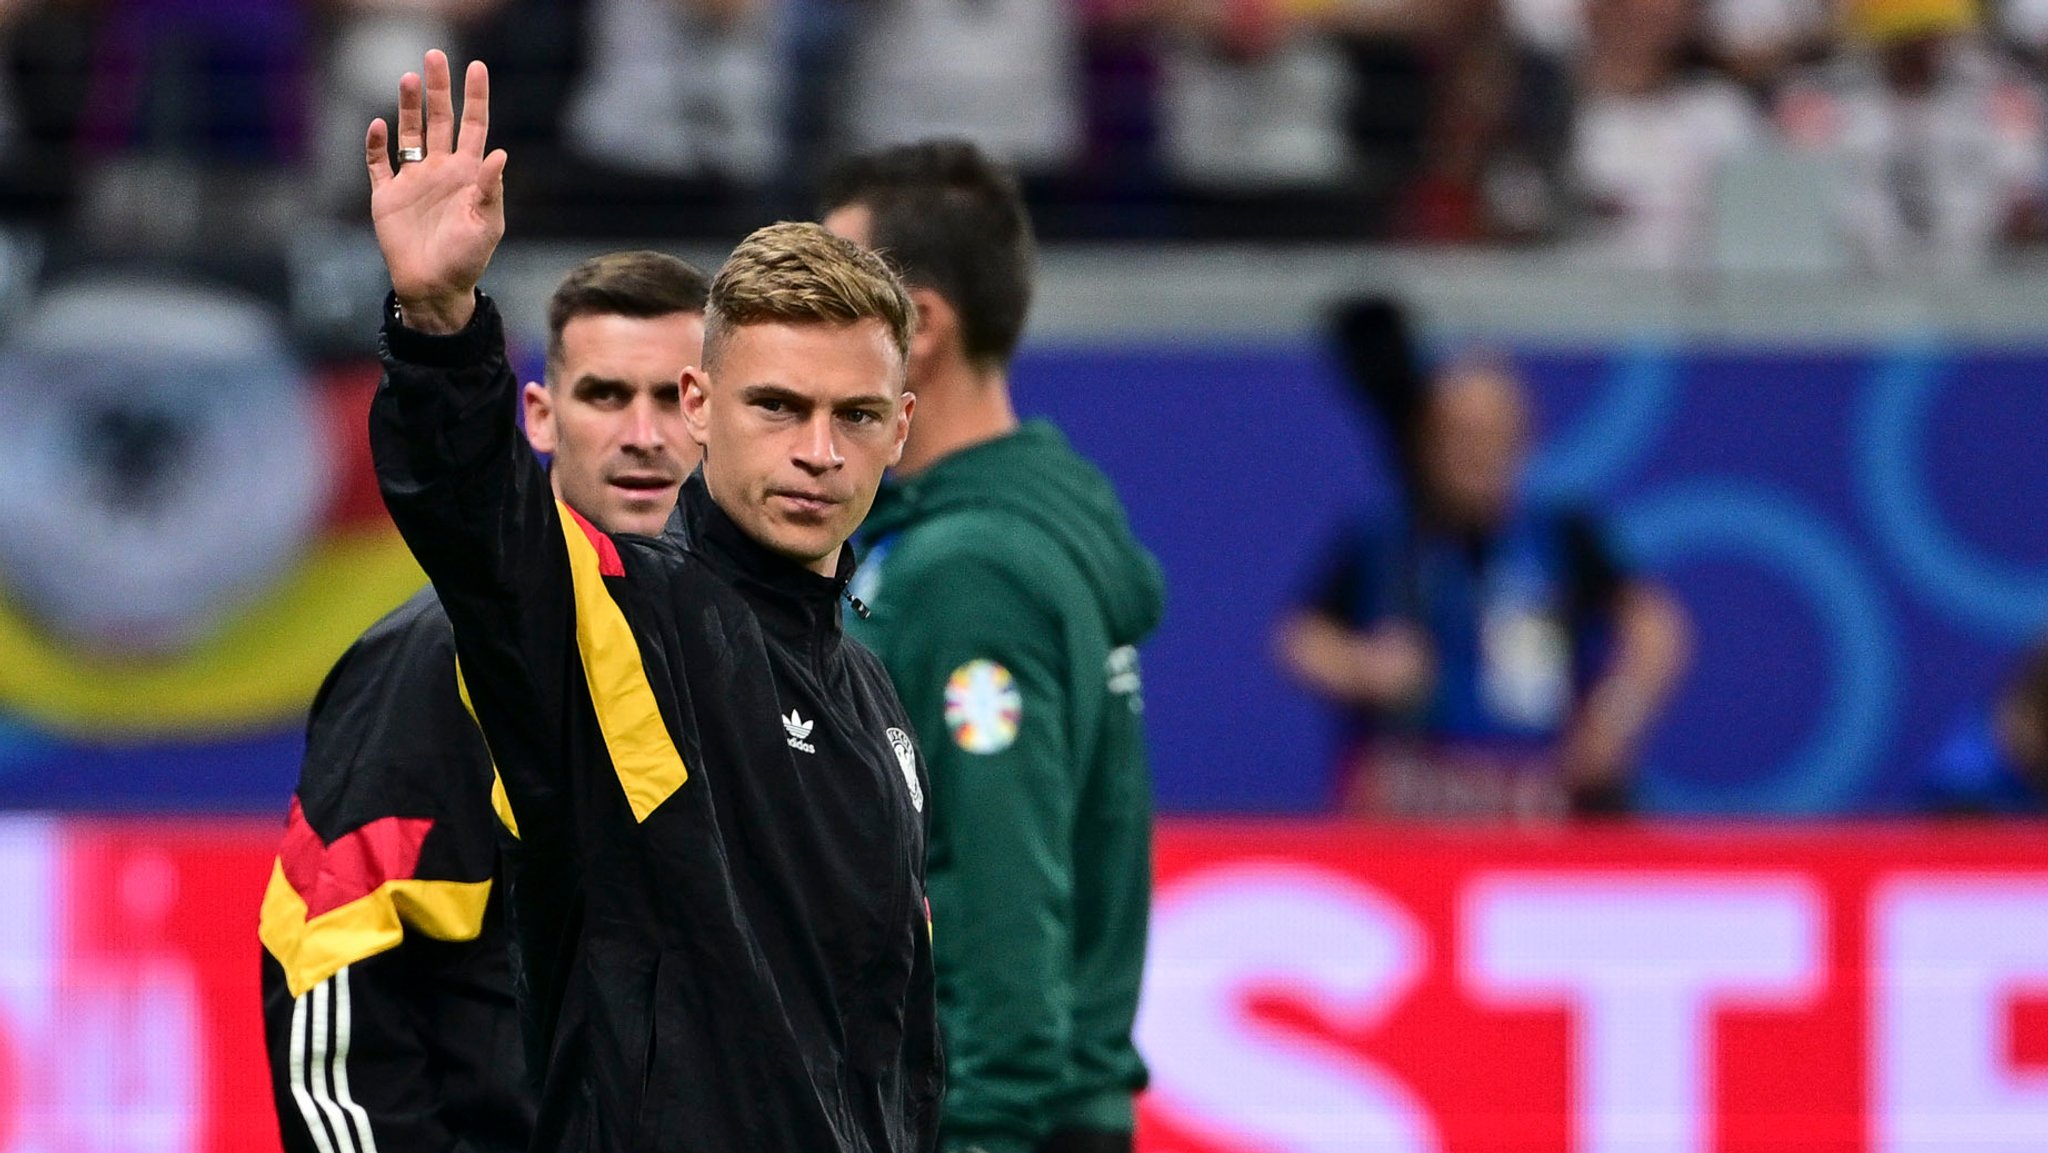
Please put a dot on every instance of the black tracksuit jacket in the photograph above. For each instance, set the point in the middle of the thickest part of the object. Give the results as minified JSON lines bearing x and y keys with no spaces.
{"x":387,"y":982}
{"x":718,"y":888}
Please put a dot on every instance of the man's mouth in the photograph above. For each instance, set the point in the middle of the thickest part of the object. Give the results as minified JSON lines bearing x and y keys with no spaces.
{"x":805,"y":502}
{"x":643,"y":484}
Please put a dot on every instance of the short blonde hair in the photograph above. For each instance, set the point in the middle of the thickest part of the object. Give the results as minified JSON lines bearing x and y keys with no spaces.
{"x":801,"y":274}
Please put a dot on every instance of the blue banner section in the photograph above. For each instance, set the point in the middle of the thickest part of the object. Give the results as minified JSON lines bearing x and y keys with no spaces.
{"x":1856,"y":533}
{"x":249,"y":773}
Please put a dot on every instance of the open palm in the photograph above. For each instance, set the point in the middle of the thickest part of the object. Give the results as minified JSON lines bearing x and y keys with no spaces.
{"x":438,"y":219}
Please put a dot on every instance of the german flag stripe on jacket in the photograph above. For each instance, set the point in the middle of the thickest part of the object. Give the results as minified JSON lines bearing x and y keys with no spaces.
{"x":635,"y":737}
{"x":387,"y":983}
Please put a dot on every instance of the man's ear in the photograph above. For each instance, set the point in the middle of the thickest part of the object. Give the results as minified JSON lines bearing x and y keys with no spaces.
{"x":696,"y":388}
{"x":903,"y":411}
{"x":938,"y":328}
{"x":540,"y":417}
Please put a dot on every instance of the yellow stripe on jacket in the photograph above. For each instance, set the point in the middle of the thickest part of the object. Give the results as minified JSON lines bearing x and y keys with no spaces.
{"x":312,"y":950}
{"x":642,"y":752}
{"x":500,"y":802}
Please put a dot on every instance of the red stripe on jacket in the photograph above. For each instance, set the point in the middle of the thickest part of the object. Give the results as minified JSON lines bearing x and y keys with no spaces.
{"x":608,"y":562}
{"x":329,"y":876}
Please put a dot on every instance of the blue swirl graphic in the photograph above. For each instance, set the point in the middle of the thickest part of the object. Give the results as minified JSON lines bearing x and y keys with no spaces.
{"x":2005,"y":601}
{"x":1613,"y":436}
{"x":1831,"y":769}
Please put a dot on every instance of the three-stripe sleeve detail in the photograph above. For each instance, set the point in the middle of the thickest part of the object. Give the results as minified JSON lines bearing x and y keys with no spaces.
{"x":323,"y":1027}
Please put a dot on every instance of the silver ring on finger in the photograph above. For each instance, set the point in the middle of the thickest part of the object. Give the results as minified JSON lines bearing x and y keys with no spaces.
{"x":412,"y":155}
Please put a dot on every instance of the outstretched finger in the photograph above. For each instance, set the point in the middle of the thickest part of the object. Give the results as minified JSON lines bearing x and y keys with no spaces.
{"x":440,"y":105}
{"x":376,"y":146}
{"x":490,"y":179}
{"x":411,"y":133}
{"x":476,"y":109}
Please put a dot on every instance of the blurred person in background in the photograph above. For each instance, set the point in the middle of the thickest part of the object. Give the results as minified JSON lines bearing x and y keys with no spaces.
{"x":362,"y":43}
{"x":2022,"y":27}
{"x":1938,"y":142}
{"x":675,"y":119}
{"x":1004,"y":74}
{"x":1490,"y":654}
{"x":1424,"y":121}
{"x":1759,"y":43}
{"x":11,"y":128}
{"x":1494,"y":127}
{"x":388,"y":980}
{"x":1008,"y":596}
{"x":1654,"y":126}
{"x":43,"y":45}
{"x":1995,"y":760}
{"x":197,"y":124}
{"x":1252,"y":99}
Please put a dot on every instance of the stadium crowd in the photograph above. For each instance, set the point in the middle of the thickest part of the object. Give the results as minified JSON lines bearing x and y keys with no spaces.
{"x":1913,"y":127}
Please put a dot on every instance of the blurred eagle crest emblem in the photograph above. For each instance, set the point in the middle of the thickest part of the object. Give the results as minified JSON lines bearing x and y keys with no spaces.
{"x":906,"y":759}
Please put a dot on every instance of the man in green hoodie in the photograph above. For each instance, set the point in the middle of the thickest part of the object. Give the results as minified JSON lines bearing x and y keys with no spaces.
{"x":1007,"y":597}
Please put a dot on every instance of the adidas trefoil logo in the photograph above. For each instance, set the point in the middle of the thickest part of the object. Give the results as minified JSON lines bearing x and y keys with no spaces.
{"x":799,"y":731}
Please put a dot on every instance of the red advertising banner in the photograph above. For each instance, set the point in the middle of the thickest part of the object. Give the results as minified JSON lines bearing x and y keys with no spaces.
{"x":1848,"y":989}
{"x":129,"y":1014}
{"x":1311,"y":988}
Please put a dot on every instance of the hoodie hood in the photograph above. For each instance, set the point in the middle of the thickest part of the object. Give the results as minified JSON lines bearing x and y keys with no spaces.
{"x":1034,"y":474}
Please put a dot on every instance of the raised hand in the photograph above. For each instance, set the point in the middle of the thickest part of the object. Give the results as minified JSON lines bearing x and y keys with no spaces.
{"x":439,"y":218}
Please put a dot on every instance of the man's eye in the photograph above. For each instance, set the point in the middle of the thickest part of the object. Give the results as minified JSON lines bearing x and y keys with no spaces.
{"x":861,"y":416}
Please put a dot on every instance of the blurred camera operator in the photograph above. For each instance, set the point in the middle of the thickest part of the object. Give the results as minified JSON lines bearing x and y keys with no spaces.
{"x":1492,"y":656}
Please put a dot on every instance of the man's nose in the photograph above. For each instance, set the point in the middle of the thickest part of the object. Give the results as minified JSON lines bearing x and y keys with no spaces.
{"x":643,"y":425}
{"x":817,"y":449}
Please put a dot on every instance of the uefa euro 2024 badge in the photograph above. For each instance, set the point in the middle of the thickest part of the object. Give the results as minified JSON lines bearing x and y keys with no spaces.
{"x":983,"y":707}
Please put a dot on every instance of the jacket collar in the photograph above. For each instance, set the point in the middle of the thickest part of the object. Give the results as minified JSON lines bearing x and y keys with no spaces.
{"x":994,"y":471}
{"x":764,"y":576}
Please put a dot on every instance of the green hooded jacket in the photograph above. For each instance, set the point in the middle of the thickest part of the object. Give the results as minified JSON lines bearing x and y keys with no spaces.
{"x":1008,"y":596}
